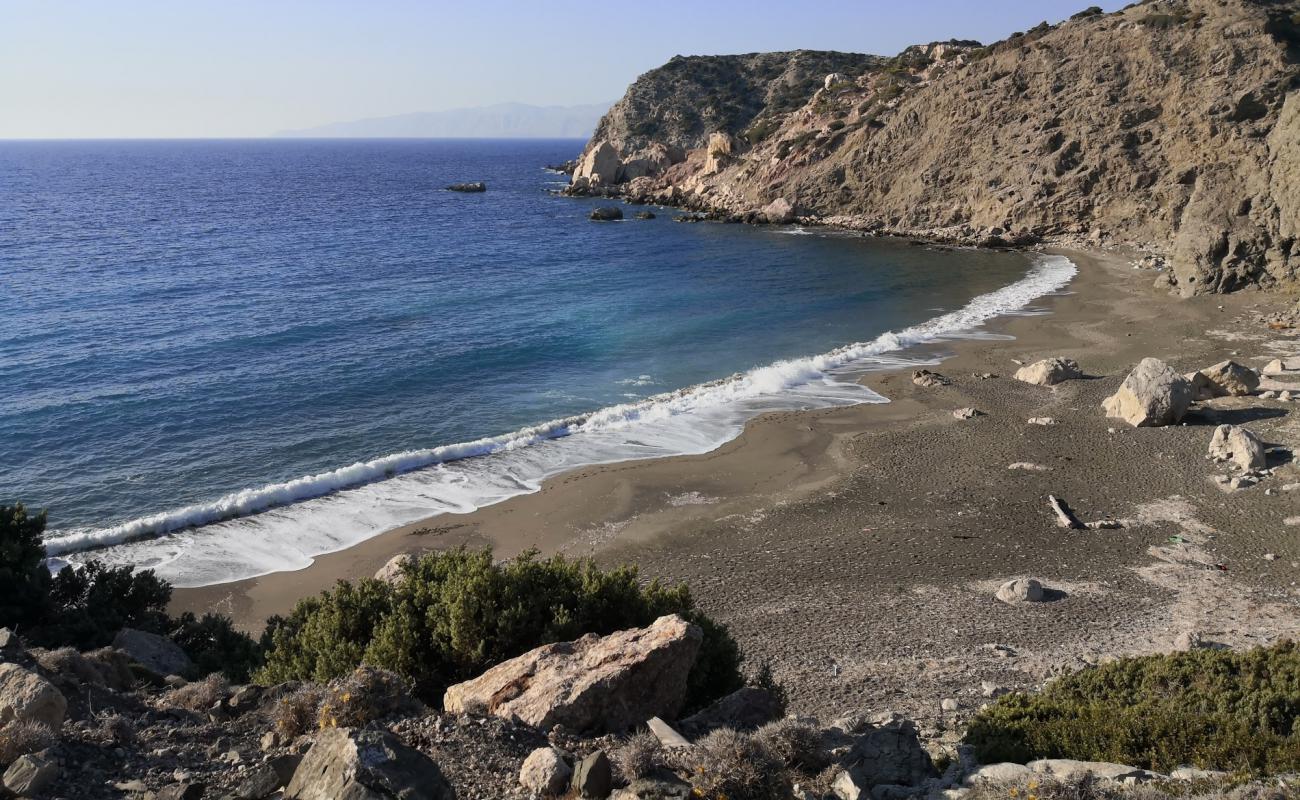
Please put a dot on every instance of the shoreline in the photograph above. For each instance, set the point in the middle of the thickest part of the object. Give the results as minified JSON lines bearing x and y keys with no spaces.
{"x":855,"y":549}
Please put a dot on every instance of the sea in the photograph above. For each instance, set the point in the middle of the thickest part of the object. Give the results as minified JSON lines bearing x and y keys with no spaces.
{"x":221,"y":359}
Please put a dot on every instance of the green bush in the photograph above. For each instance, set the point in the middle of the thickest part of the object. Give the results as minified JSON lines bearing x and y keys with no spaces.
{"x":455,"y":614}
{"x":1211,"y":708}
{"x":85,"y":607}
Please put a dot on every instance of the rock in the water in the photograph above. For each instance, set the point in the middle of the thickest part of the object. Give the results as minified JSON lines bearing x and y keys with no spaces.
{"x":1049,"y":371}
{"x":27,"y":697}
{"x":593,"y":777}
{"x":778,"y":212}
{"x":1151,"y":396}
{"x":596,"y":683}
{"x":645,"y":215}
{"x":606,"y":213}
{"x":473,"y":186}
{"x":155,"y":653}
{"x":365,"y":765}
{"x":395,"y":569}
{"x":30,"y":775}
{"x":1238,"y":445}
{"x":1021,"y":590}
{"x":545,"y":772}
{"x":1230,"y":379}
{"x":743,"y":710}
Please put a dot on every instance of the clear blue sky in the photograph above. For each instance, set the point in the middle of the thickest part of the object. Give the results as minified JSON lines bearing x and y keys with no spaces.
{"x":163,"y":68}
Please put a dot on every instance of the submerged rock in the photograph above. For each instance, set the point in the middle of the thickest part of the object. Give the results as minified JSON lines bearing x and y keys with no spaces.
{"x":474,"y":186}
{"x":606,"y":213}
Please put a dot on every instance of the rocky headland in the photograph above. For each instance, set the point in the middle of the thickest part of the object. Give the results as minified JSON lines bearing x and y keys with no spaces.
{"x":1171,"y":127}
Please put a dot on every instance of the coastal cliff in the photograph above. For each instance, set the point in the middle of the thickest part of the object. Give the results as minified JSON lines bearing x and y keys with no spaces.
{"x":1172,"y":127}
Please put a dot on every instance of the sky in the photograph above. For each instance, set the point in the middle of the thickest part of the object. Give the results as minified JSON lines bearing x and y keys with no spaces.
{"x":247,"y":68}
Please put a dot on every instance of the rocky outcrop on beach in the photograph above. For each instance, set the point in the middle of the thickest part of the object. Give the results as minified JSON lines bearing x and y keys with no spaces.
{"x":1172,"y":126}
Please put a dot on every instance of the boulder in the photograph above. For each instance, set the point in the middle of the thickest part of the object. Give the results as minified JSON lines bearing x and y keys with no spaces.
{"x":606,"y":213}
{"x":1230,"y":379}
{"x":1281,"y":366}
{"x":1201,"y":388}
{"x":1021,"y":590}
{"x":597,"y":683}
{"x":153,"y":652}
{"x":30,"y":775}
{"x":967,"y":413}
{"x":886,"y":754}
{"x":474,"y":186}
{"x":1049,"y":371}
{"x":183,"y":790}
{"x":743,"y":710}
{"x":395,"y":570}
{"x":1238,"y":445}
{"x":835,"y":79}
{"x":778,"y":212}
{"x":27,"y":697}
{"x":997,"y":774}
{"x":593,"y":776}
{"x":1068,"y":770}
{"x":600,"y":161}
{"x":545,"y":772}
{"x":365,"y":765}
{"x":1151,"y":396}
{"x":645,"y":215}
{"x":264,"y":779}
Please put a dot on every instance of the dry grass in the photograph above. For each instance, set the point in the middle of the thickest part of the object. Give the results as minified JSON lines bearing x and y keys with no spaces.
{"x":639,"y":756}
{"x":296,"y":714}
{"x":200,"y":695}
{"x":795,"y":744}
{"x":22,"y":737}
{"x":366,"y":695}
{"x":729,"y":765}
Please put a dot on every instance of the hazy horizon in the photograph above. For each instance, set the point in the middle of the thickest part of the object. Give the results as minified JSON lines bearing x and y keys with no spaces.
{"x":239,"y":69}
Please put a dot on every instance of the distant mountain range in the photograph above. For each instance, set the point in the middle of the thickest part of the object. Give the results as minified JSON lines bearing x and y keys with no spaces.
{"x":501,"y":121}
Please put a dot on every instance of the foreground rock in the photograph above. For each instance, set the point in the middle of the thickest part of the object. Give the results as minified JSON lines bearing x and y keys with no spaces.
{"x":1152,"y":395}
{"x":606,"y":214}
{"x":1070,"y":770}
{"x":155,"y":653}
{"x":545,"y":772}
{"x":473,"y":186}
{"x":1049,"y":371}
{"x":366,"y":765}
{"x":1237,"y":445}
{"x":742,"y":710}
{"x":888,"y":754}
{"x":30,"y":775}
{"x":596,"y":683}
{"x":27,"y":697}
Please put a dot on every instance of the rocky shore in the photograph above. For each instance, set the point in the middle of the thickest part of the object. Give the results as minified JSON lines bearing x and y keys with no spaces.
{"x":1111,"y":130}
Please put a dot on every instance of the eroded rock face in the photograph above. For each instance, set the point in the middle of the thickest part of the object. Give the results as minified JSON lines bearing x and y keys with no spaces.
{"x":594,"y":684}
{"x":1238,"y":445}
{"x":346,"y":764}
{"x":27,"y":697}
{"x":1152,"y":395}
{"x":1049,"y":371}
{"x":599,"y":164}
{"x":153,"y":652}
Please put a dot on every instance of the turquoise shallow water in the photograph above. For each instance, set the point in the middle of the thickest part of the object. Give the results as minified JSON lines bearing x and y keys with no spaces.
{"x":224,"y":358}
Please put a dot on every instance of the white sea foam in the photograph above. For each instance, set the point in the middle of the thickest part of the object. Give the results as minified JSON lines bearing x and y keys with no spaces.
{"x":284,"y":526}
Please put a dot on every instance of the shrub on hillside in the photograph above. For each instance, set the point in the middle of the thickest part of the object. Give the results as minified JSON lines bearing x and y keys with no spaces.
{"x":85,"y":607}
{"x":20,"y":737}
{"x":1215,"y":709}
{"x":730,"y":765}
{"x":457,"y":613}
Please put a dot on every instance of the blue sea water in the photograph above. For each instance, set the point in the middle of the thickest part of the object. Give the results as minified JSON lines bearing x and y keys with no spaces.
{"x":222,"y":358}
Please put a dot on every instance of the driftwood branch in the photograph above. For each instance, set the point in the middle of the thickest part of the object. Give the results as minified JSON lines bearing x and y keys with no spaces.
{"x":1064,"y":514}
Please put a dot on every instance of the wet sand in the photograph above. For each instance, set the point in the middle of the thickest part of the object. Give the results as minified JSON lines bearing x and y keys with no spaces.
{"x":856,"y":550}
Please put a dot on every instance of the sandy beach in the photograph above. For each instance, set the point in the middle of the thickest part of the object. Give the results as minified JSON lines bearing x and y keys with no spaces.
{"x":856,"y":550}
